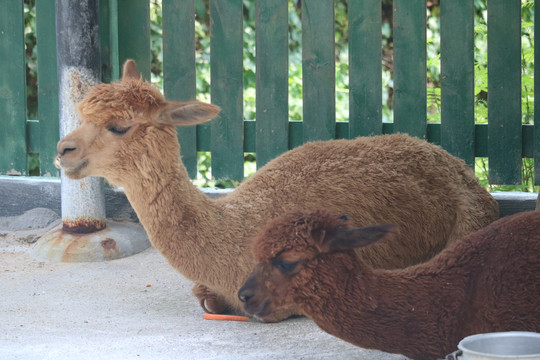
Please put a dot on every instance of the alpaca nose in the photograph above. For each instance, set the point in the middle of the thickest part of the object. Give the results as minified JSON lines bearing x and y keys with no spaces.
{"x":64,"y":147}
{"x":245,"y":294}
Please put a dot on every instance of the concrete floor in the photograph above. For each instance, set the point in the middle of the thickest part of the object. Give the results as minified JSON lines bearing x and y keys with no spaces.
{"x":133,"y":308}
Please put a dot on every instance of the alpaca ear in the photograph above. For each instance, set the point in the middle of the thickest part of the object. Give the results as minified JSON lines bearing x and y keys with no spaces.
{"x":187,"y":113}
{"x":130,"y":71}
{"x":347,"y":239}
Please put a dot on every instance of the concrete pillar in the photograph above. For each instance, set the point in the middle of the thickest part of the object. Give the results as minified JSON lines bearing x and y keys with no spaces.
{"x":85,"y":234}
{"x":78,"y":61}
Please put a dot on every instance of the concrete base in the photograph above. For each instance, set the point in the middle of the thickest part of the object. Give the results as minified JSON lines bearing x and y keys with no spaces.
{"x":119,"y":239}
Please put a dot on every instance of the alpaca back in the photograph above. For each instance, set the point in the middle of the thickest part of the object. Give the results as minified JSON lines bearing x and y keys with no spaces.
{"x":505,"y":295}
{"x":432,"y":195}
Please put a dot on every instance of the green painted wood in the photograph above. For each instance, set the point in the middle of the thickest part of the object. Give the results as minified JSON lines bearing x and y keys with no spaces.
{"x":272,"y":114}
{"x":179,"y":77}
{"x":33,"y":138}
{"x":12,"y":90}
{"x":318,"y":70}
{"x":48,"y":86}
{"x":410,"y":68}
{"x":134,"y":34}
{"x":113,"y":40}
{"x":536,"y":153}
{"x":226,"y":76}
{"x":481,"y":140}
{"x":296,"y":134}
{"x":528,"y":141}
{"x":457,"y":78}
{"x":433,"y":135}
{"x":250,"y":129}
{"x":106,"y":44}
{"x":365,"y":80}
{"x":204,"y":137}
{"x":504,"y":89}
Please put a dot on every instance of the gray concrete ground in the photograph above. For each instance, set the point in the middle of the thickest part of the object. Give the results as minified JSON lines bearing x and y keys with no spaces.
{"x":132,"y":308}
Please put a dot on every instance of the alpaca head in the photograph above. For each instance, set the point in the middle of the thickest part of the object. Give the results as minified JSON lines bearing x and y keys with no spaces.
{"x":296,"y":249}
{"x":126,"y":127}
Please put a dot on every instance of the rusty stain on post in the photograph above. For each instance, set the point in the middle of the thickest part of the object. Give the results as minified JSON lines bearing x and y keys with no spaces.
{"x":83,"y":225}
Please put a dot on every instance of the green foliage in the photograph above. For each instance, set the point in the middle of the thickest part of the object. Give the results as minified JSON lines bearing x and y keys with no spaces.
{"x":30,"y":45}
{"x":482,"y":171}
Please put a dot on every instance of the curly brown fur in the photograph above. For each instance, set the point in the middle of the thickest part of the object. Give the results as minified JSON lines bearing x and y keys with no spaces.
{"x":486,"y":282}
{"x":128,"y":136}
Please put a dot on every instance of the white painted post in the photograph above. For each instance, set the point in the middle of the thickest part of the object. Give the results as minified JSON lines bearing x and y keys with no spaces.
{"x":78,"y":61}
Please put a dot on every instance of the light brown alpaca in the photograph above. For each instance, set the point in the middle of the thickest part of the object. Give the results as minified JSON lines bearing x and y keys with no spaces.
{"x":486,"y":282}
{"x":128,"y":136}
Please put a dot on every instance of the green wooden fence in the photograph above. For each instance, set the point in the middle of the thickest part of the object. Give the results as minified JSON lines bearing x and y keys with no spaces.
{"x":125,"y":33}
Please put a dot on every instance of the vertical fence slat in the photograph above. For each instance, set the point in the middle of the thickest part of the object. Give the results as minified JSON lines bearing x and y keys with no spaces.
{"x":134,"y":34}
{"x":410,"y":68}
{"x":48,"y":86}
{"x":272,"y":117}
{"x":179,"y":77}
{"x":457,"y":78}
{"x":537,"y":100}
{"x":109,"y":40}
{"x":365,"y":80}
{"x":12,"y":90}
{"x":226,"y":76}
{"x":106,"y":40}
{"x":504,"y":91}
{"x":318,"y":70}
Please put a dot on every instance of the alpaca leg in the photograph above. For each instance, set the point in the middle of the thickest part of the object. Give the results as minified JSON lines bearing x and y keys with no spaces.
{"x":210,"y":301}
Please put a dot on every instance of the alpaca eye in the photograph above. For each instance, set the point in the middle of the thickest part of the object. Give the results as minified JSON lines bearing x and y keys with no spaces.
{"x":118,"y":130}
{"x":284,"y":266}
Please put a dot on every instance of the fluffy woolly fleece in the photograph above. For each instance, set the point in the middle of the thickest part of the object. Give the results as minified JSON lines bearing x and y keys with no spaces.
{"x":128,"y":136}
{"x":488,"y":281}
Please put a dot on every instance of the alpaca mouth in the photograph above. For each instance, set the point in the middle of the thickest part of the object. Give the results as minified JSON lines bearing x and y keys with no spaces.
{"x":71,"y":171}
{"x":261,"y":311}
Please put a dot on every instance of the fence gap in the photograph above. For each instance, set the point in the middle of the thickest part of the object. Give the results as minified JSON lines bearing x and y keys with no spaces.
{"x":536,"y":104}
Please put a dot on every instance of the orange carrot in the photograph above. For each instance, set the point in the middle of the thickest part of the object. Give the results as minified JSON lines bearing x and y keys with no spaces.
{"x":225,"y":317}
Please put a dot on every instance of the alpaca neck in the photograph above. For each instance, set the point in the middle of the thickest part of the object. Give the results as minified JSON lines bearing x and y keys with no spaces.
{"x":381,"y":309}
{"x":177,"y":216}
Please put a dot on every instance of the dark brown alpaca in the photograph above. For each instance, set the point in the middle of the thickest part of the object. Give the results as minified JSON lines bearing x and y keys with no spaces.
{"x":488,"y":281}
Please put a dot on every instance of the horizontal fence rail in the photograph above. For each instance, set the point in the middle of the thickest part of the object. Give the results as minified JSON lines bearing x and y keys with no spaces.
{"x":125,"y":33}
